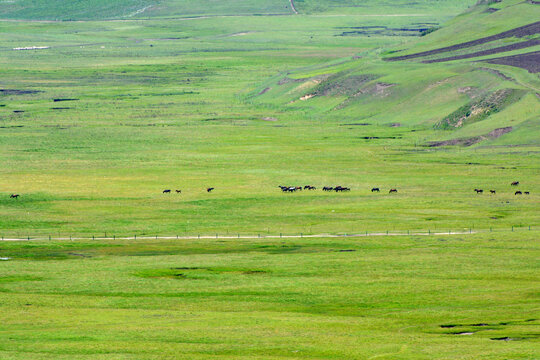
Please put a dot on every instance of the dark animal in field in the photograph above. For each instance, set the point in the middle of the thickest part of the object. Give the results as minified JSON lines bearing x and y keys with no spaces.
{"x":209,"y":189}
{"x":178,"y":191}
{"x":341,"y":189}
{"x":515,"y":183}
{"x":327,"y":188}
{"x":492,"y":191}
{"x":168,"y":191}
{"x":309,"y":187}
{"x":392,"y":191}
{"x":526,"y":193}
{"x":517,"y":193}
{"x":479,"y":191}
{"x":375,"y":190}
{"x":14,"y":196}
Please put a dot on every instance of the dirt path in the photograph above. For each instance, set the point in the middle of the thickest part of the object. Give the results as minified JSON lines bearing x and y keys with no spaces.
{"x":293,"y":7}
{"x":247,"y":237}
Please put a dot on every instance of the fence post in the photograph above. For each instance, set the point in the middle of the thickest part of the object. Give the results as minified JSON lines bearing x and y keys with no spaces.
{"x":135,"y":237}
{"x":198,"y":236}
{"x":70,"y":237}
{"x":429,"y":232}
{"x":301,"y":235}
{"x":259,"y":236}
{"x":512,"y":227}
{"x":28,"y":237}
{"x":470,"y":231}
{"x":280,"y":235}
{"x":176,"y":237}
{"x":529,"y":227}
{"x":49,"y":237}
{"x":114,"y":237}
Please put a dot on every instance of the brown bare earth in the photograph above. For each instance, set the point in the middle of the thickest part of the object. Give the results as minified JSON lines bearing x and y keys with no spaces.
{"x":519,"y":32}
{"x":497,"y":50}
{"x":529,"y":61}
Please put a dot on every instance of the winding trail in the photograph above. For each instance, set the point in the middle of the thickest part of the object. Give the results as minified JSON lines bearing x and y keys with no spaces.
{"x":293,"y":7}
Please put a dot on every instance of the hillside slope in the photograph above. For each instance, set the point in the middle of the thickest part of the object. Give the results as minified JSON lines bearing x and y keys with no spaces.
{"x":475,"y":75}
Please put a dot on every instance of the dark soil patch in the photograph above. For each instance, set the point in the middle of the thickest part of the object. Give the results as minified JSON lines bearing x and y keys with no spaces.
{"x":264,"y":91}
{"x":64,"y":99}
{"x":507,"y":338}
{"x":448,"y":326}
{"x":529,"y":61}
{"x":395,"y":125}
{"x":491,"y":10}
{"x":347,"y":250}
{"x":18,"y":92}
{"x":472,"y":140}
{"x":343,"y":84}
{"x":519,"y":32}
{"x":497,"y":50}
{"x":355,"y":124}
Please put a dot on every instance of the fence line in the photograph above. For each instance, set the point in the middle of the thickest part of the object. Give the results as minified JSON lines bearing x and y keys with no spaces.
{"x":300,"y":235}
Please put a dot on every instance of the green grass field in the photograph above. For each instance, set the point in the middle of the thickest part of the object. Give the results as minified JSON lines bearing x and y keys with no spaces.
{"x":438,"y":297}
{"x":243,"y":97}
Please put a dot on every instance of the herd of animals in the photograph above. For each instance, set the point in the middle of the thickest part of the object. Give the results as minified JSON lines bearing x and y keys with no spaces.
{"x":291,"y":189}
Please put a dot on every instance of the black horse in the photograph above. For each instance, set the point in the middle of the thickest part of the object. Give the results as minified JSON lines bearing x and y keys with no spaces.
{"x":517,"y":193}
{"x":392,"y":191}
{"x":375,"y":190}
{"x":492,"y":191}
{"x":14,"y":196}
{"x":168,"y":191}
{"x":479,"y":191}
{"x":526,"y":193}
{"x":178,"y":191}
{"x":209,"y":189}
{"x":515,"y":183}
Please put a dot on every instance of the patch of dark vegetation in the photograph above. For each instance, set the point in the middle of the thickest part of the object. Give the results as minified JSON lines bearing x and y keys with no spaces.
{"x":10,"y":127}
{"x":194,"y":273}
{"x":472,"y":140}
{"x":480,"y":109}
{"x":491,"y":10}
{"x":419,"y":30}
{"x":18,"y":111}
{"x":497,"y":73}
{"x":517,"y":46}
{"x":448,"y":326}
{"x":264,"y":91}
{"x":79,"y":255}
{"x":18,"y":92}
{"x":379,"y":137}
{"x":64,"y":99}
{"x":506,"y":338}
{"x":529,"y":61}
{"x":343,"y":83}
{"x":17,"y":278}
{"x":347,"y":250}
{"x":355,"y":124}
{"x":519,"y":32}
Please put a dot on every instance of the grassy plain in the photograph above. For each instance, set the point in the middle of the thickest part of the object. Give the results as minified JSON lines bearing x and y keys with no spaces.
{"x":183,"y":95}
{"x":177,"y":104}
{"x":436,"y":297}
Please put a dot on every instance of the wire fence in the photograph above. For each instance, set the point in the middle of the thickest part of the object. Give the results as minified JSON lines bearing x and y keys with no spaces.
{"x":267,"y":235}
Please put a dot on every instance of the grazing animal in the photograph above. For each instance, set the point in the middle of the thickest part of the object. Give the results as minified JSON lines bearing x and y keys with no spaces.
{"x":341,"y":188}
{"x":515,"y":183}
{"x":168,"y":191}
{"x":492,"y":191}
{"x":309,"y":187}
{"x":178,"y":191}
{"x":479,"y":191}
{"x":327,"y":188}
{"x":209,"y":189}
{"x":375,"y":190}
{"x":14,"y":196}
{"x":392,"y":191}
{"x":526,"y":193}
{"x":517,"y":193}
